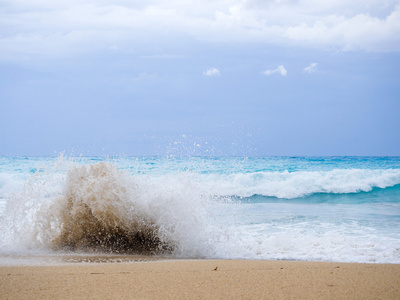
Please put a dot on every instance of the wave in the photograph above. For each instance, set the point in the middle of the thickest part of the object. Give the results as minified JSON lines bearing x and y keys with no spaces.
{"x":98,"y":208}
{"x":389,"y":195}
{"x":99,"y":211}
{"x":290,"y":185}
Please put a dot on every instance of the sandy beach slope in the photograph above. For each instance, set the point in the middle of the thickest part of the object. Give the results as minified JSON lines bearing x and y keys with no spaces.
{"x":202,"y":279}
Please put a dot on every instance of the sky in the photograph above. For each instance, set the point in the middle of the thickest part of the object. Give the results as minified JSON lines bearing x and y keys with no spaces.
{"x":221,"y":77}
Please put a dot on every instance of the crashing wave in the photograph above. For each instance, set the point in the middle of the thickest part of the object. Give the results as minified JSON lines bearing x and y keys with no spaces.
{"x":99,"y":212}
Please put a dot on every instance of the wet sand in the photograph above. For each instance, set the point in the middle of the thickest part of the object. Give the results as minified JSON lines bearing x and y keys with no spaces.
{"x":201,"y":279}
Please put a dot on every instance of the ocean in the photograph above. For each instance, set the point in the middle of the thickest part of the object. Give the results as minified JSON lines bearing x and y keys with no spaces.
{"x":336,"y":209}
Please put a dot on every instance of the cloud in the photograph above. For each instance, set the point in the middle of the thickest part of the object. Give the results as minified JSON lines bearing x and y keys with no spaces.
{"x":312,"y":68}
{"x":279,"y":70}
{"x":46,"y":29}
{"x":360,"y":32}
{"x":212,"y":72}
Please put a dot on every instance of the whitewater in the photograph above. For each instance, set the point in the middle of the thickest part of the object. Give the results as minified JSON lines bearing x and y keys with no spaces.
{"x":341,"y":209}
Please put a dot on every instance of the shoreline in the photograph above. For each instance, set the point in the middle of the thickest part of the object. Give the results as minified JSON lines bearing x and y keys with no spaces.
{"x":201,"y":279}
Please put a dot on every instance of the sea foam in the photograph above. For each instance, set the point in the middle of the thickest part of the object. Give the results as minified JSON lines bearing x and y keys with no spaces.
{"x":290,"y":185}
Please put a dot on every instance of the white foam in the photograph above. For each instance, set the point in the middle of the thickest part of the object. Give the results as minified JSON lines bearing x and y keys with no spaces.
{"x":302,"y":183}
{"x":316,"y":243}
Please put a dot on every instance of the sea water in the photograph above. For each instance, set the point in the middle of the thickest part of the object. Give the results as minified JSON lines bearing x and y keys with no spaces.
{"x":342,"y":209}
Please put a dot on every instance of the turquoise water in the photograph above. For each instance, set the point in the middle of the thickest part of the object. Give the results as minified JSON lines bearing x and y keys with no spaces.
{"x":343,"y":209}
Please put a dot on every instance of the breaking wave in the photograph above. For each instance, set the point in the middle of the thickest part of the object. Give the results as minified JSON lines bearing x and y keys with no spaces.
{"x":289,"y":185}
{"x":98,"y":211}
{"x":97,"y":208}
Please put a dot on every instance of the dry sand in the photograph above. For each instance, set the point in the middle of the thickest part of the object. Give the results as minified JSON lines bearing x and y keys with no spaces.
{"x":202,"y":279}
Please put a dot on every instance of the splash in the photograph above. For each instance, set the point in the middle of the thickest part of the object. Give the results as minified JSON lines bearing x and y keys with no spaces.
{"x":99,"y":212}
{"x":97,"y":208}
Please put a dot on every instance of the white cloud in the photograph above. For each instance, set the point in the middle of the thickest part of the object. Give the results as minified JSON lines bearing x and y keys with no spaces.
{"x":46,"y":29}
{"x":279,"y":70}
{"x":212,"y":72}
{"x":359,"y":32}
{"x":312,"y":68}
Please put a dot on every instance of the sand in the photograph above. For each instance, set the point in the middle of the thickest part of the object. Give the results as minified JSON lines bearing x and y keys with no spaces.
{"x":202,"y":279}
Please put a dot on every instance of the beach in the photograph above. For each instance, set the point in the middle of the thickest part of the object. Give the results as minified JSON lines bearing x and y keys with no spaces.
{"x":202,"y":279}
{"x":200,"y":228}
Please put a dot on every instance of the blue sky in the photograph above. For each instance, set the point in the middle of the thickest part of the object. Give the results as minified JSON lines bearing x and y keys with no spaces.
{"x":248,"y":77}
